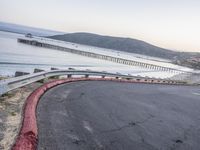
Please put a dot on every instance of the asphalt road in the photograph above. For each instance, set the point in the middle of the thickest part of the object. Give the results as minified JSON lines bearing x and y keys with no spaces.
{"x":99,"y":115}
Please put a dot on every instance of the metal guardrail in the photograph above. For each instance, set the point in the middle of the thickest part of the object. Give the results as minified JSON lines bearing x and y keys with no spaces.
{"x":7,"y":85}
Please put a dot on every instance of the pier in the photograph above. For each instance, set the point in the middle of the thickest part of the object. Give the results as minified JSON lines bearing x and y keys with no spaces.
{"x":100,"y":56}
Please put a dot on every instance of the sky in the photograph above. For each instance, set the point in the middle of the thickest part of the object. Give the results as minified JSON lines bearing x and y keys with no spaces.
{"x":172,"y":24}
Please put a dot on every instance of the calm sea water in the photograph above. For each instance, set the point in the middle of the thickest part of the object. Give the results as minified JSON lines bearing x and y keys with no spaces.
{"x":15,"y":56}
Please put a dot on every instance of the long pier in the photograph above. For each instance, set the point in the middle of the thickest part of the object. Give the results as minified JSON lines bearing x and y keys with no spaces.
{"x":100,"y":56}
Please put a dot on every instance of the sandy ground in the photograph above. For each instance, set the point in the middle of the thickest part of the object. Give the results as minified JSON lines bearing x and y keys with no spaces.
{"x":11,"y":109}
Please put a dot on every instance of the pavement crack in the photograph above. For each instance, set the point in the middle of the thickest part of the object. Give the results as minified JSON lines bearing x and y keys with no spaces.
{"x":145,"y":120}
{"x":129,"y":125}
{"x":78,"y":142}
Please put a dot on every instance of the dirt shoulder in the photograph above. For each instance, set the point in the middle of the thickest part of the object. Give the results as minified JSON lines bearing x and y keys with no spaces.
{"x":11,"y":109}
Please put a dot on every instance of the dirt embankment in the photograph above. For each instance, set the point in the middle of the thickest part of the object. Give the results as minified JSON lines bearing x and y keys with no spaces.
{"x":11,"y":109}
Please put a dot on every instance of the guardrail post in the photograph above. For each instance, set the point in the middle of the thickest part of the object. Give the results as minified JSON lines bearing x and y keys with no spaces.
{"x":3,"y":89}
{"x":37,"y":70}
{"x":138,"y":79}
{"x":52,"y":68}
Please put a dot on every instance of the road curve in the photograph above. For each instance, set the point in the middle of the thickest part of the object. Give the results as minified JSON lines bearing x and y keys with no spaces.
{"x":105,"y":115}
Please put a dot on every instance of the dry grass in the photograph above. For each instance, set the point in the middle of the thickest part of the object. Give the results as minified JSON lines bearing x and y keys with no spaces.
{"x":11,"y":107}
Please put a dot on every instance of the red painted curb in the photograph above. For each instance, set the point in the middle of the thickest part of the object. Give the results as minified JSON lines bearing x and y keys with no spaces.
{"x":28,"y":136}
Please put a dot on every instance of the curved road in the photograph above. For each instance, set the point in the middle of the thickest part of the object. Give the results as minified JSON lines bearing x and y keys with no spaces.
{"x":102,"y":115}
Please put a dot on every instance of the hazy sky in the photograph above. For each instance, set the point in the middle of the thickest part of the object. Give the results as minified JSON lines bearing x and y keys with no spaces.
{"x":173,"y":24}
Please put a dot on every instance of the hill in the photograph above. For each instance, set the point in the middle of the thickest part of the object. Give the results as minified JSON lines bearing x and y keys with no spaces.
{"x":118,"y":43}
{"x":191,"y":60}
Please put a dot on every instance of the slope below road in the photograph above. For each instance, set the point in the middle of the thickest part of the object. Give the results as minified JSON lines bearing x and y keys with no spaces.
{"x":90,"y":115}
